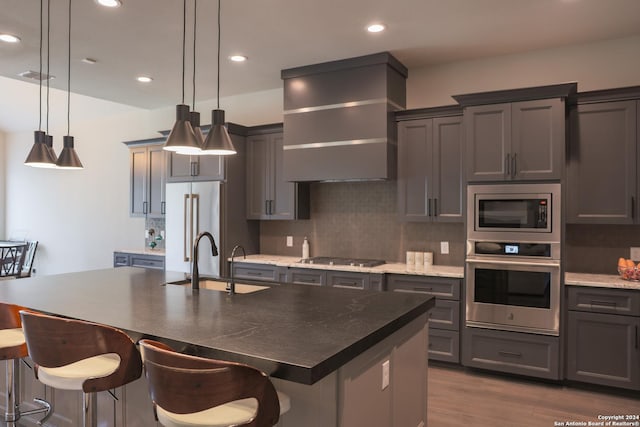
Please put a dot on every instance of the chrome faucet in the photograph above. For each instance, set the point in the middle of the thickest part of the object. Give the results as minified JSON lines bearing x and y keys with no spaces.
{"x":195,"y":276}
{"x":231,"y":286}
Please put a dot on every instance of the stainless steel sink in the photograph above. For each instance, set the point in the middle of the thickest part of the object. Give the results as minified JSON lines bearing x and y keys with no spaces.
{"x":220,"y":285}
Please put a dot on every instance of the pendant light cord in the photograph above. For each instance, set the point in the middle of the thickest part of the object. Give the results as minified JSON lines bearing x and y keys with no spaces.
{"x":184,"y":40}
{"x":69,"y":75}
{"x":40,"y":98}
{"x":195,"y":18}
{"x":218,"y":90}
{"x":48,"y":39}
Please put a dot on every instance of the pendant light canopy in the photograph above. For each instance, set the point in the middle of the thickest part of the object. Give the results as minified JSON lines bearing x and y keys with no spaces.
{"x":182,"y":139}
{"x":218,"y":140}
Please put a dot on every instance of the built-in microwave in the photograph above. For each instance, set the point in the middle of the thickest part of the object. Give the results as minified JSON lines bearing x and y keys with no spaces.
{"x":524,"y":212}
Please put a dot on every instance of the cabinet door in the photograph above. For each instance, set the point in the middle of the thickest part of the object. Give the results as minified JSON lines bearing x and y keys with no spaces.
{"x":120,"y":259}
{"x":415,"y":151}
{"x":257,"y":176}
{"x":209,"y":168}
{"x":602,"y":163}
{"x":282,"y":194}
{"x":488,"y":141}
{"x":603,"y":349}
{"x":179,"y":168}
{"x":138,"y":191}
{"x":157,"y":178}
{"x":538,"y":139}
{"x":447,"y":171}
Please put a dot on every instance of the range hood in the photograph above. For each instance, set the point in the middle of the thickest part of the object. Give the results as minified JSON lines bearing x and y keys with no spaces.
{"x":338,"y":119}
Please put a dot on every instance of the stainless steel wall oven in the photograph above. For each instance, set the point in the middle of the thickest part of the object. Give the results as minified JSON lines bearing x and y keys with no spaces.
{"x":513,"y":257}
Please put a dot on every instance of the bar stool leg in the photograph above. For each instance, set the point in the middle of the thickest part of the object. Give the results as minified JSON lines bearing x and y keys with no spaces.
{"x":89,"y":410}
{"x":13,"y":414}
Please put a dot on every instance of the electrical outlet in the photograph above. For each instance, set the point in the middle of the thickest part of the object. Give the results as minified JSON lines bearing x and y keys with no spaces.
{"x":444,"y":248}
{"x":634,"y":254}
{"x":385,"y":374}
{"x":289,"y":241}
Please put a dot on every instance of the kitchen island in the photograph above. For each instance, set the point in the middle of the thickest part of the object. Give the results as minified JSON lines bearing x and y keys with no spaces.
{"x":324,"y":347}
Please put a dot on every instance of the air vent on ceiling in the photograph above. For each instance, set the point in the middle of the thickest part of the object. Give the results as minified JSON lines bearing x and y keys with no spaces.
{"x":34,"y":75}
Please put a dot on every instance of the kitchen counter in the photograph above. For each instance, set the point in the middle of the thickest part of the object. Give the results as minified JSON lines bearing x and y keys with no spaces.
{"x":389,"y":268}
{"x":599,"y":280}
{"x":294,"y":332}
{"x":143,"y":251}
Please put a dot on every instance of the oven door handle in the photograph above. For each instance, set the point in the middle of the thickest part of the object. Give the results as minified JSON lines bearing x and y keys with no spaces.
{"x":514,"y":263}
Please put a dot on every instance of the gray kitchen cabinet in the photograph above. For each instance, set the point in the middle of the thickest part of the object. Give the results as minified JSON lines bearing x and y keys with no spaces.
{"x":182,"y":168}
{"x":269,"y":196}
{"x":355,"y":280}
{"x":603,"y":348}
{"x":522,"y":141}
{"x":306,"y":276}
{"x":131,"y":259}
{"x":147,"y":180}
{"x":430,"y":169}
{"x":512,"y":352}
{"x":603,"y":163}
{"x":444,"y":320}
{"x":255,"y":271}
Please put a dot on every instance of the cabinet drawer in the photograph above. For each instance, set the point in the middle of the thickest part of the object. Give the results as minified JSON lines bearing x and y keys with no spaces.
{"x":444,"y":345}
{"x":120,"y":259}
{"x":436,"y":286}
{"x":604,"y":300}
{"x":147,"y":262}
{"x":307,"y":276}
{"x":256,"y":272}
{"x":349,"y":280}
{"x":512,"y":352}
{"x":445,"y":315}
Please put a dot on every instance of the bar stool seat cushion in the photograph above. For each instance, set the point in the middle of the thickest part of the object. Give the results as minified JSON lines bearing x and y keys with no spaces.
{"x":73,"y":375}
{"x":228,"y":414}
{"x":11,"y":337}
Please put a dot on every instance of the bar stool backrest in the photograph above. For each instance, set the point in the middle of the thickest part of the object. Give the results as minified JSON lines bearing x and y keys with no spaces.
{"x":185,"y":384}
{"x":56,"y":341}
{"x":10,"y":319}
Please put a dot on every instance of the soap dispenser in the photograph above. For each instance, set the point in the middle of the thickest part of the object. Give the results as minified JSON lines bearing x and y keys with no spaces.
{"x":305,"y":248}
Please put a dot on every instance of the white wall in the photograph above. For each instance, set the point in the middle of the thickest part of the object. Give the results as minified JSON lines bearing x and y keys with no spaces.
{"x":2,"y":185}
{"x":80,"y":217}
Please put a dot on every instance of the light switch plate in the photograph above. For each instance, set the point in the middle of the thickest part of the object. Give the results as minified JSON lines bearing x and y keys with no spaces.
{"x":634,"y":254}
{"x":444,"y":248}
{"x":289,"y":241}
{"x":385,"y":374}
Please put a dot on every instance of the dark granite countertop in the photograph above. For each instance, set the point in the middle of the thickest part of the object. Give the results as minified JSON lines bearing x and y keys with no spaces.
{"x":294,"y":332}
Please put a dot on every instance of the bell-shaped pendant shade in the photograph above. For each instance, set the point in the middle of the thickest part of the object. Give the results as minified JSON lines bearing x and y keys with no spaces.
{"x":194,"y":119}
{"x":68,"y":158}
{"x":218,"y":140}
{"x":40,"y":156}
{"x":48,"y":139}
{"x":182,"y":139}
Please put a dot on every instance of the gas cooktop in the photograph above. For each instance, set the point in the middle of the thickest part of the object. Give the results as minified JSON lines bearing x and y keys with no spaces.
{"x":325,"y":260}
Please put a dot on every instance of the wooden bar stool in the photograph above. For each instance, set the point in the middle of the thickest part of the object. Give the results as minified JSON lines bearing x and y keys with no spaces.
{"x":195,"y":391}
{"x":78,"y":355}
{"x":12,"y":349}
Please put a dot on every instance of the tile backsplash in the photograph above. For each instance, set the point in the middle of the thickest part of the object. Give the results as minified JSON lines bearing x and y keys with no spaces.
{"x":596,"y":248}
{"x":158,"y":225}
{"x":359,"y":220}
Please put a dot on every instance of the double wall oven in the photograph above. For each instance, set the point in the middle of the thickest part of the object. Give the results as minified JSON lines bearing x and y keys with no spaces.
{"x":513,"y":257}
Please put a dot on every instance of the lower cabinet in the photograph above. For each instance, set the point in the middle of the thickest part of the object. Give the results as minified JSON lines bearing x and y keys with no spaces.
{"x":306,"y":276}
{"x":261,"y":272}
{"x":444,"y":320}
{"x":512,"y":352}
{"x":603,"y":348}
{"x":129,"y":259}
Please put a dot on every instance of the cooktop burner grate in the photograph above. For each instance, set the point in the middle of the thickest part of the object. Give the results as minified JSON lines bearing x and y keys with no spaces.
{"x":324,"y":260}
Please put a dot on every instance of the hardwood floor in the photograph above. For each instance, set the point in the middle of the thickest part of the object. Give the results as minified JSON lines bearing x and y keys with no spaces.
{"x":462,"y":397}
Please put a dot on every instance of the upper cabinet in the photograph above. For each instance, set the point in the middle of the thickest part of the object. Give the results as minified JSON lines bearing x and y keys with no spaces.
{"x":430,"y":168}
{"x":181,"y":168}
{"x":603,"y":162}
{"x":519,"y":140}
{"x":269,"y":196}
{"x":147,"y":178}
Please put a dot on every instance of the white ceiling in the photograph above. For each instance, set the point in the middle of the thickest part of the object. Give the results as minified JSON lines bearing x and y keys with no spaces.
{"x":145,"y":37}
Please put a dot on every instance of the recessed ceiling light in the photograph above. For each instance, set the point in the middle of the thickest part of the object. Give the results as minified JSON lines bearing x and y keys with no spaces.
{"x":9,"y":38}
{"x":144,"y":79}
{"x":238,"y":58}
{"x":110,"y":3}
{"x":376,"y":28}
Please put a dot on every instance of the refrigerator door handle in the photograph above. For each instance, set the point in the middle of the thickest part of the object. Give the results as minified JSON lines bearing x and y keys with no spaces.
{"x":185,"y":222}
{"x":195,"y":210}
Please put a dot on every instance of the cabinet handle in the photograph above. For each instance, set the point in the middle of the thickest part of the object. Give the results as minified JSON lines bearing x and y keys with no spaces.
{"x":270,"y":207}
{"x":633,"y":207}
{"x":509,"y":354}
{"x":435,"y":207}
{"x":604,"y":303}
{"x":144,"y":207}
{"x":428,"y":207}
{"x":506,"y":164}
{"x":636,"y":337}
{"x":514,"y":165}
{"x":163,"y":208}
{"x":253,"y":273}
{"x":266,"y":207}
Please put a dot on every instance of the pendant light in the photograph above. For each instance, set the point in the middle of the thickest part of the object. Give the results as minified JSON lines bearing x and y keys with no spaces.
{"x":182,"y":138}
{"x":218,"y":140}
{"x":39,"y":155}
{"x":48,"y":139}
{"x":194,"y":116}
{"x":68,"y":157}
